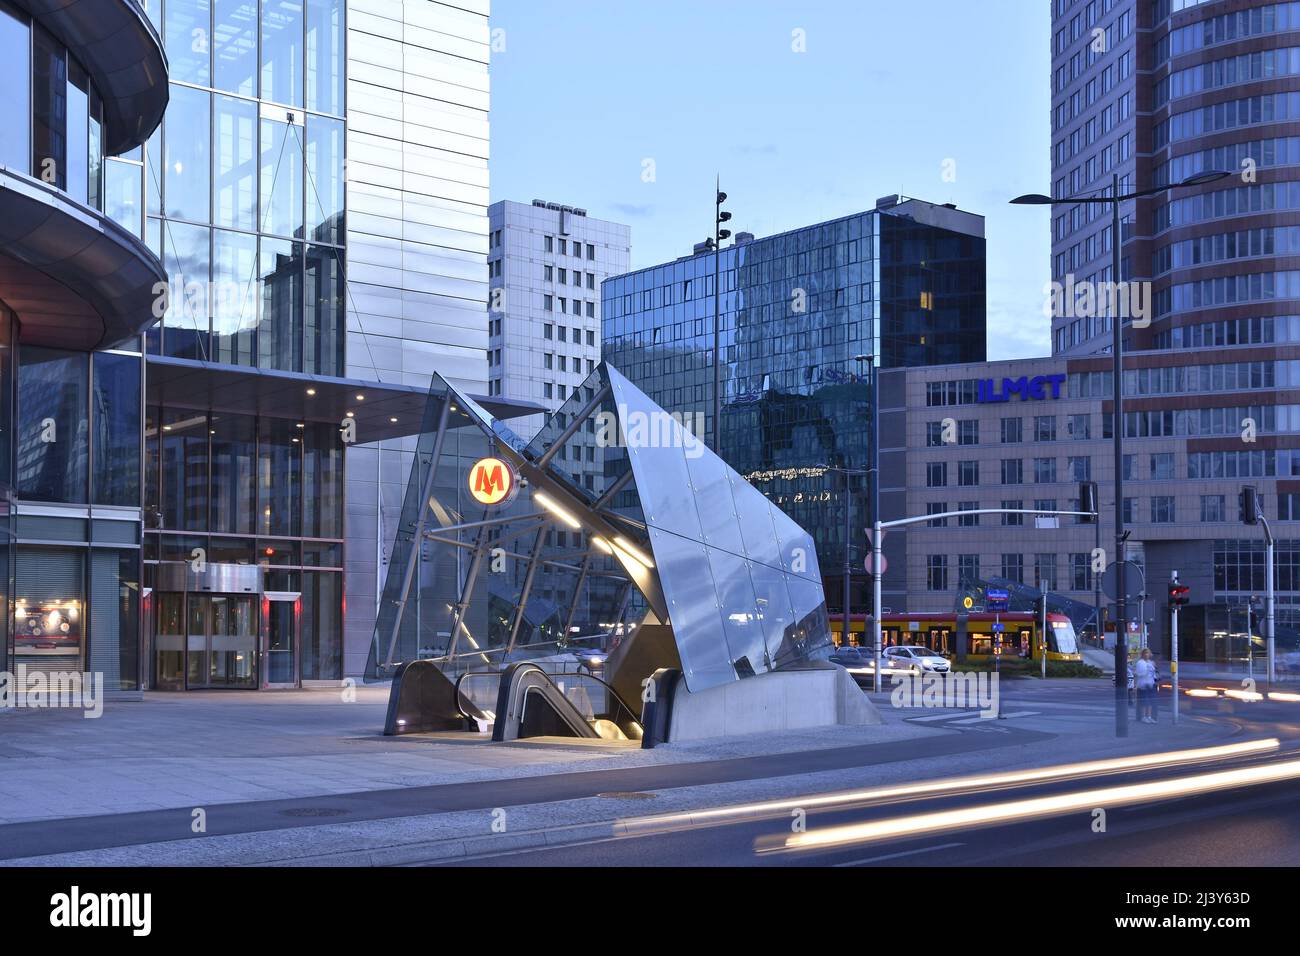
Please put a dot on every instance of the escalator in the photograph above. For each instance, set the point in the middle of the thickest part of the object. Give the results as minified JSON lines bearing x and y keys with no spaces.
{"x":533,"y":703}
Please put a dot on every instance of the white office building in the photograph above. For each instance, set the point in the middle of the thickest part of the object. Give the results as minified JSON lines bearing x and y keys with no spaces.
{"x":545,"y":265}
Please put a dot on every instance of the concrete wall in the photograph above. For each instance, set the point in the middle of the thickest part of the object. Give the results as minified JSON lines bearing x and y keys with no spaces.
{"x":772,"y":703}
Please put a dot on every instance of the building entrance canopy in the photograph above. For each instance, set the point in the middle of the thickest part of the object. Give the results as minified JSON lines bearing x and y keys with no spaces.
{"x":664,"y":547}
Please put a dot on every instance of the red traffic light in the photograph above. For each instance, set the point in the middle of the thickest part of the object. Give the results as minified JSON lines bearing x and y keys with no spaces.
{"x":1179,"y":594}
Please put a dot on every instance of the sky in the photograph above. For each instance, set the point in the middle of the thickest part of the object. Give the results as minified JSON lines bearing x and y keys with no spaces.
{"x":807,"y":109}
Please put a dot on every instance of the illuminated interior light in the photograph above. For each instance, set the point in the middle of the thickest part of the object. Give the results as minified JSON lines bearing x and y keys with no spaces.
{"x":546,"y":502}
{"x":601,"y":543}
{"x":311,"y":391}
{"x":633,"y":551}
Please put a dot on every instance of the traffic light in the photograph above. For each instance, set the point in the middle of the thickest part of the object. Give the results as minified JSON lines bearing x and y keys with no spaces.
{"x":1088,"y":500}
{"x":1179,"y":595}
{"x":1248,"y":502}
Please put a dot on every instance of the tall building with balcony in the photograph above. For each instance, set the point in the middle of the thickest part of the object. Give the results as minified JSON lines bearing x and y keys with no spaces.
{"x":803,"y":318}
{"x":238,"y":240}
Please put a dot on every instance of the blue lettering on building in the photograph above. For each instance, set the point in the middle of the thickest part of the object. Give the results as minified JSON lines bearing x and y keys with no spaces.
{"x":1029,"y":389}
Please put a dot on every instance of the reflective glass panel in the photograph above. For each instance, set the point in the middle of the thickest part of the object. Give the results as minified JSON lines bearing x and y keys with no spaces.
{"x":282,"y":57}
{"x":282,"y":179}
{"x":234,"y":46}
{"x":325,"y":59}
{"x":187,"y":41}
{"x":52,"y":432}
{"x":116,"y":429}
{"x":16,"y":81}
{"x":186,"y":155}
{"x":235,"y":156}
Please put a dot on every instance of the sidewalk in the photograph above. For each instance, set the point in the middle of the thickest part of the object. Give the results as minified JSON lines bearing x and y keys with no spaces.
{"x":366,"y":800}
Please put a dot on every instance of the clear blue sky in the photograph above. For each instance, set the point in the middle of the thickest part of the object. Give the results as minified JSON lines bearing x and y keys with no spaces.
{"x":885,"y":94}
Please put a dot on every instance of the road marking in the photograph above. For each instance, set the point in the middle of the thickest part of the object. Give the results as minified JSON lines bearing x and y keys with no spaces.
{"x":945,"y":716}
{"x":1019,"y":713}
{"x":895,"y":856}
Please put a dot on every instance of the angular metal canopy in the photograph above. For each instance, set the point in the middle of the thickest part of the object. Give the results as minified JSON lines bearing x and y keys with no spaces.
{"x":732,"y":579}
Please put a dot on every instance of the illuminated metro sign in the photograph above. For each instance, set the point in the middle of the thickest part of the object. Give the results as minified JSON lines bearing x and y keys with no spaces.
{"x":492,"y":481}
{"x":1029,"y":389}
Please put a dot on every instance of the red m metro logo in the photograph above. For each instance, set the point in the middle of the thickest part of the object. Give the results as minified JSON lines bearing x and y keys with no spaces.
{"x":491,"y":481}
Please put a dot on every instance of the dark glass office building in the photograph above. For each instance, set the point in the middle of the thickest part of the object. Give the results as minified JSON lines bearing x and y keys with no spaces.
{"x":804,"y":318}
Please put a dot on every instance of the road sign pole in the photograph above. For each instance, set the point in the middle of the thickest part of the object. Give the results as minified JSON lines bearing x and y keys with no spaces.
{"x":1173,"y":648}
{"x":876,"y":562}
{"x":1043,"y":644}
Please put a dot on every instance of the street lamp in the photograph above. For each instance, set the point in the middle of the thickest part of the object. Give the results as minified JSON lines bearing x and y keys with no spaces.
{"x":1117,"y":402}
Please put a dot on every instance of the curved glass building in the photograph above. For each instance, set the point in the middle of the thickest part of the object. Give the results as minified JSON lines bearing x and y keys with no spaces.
{"x":80,"y":84}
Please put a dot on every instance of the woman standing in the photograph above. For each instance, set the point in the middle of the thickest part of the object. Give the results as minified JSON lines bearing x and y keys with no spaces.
{"x":1144,"y":678}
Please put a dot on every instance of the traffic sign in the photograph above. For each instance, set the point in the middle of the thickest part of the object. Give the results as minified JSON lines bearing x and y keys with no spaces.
{"x":996,"y":599}
{"x":967,"y":602}
{"x":1134,"y":581}
{"x":998,"y":627}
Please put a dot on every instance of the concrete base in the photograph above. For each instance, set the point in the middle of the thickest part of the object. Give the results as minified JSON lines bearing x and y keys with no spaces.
{"x":772,"y":703}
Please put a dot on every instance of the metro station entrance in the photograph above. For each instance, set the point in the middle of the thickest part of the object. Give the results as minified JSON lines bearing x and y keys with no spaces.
{"x":219,"y":630}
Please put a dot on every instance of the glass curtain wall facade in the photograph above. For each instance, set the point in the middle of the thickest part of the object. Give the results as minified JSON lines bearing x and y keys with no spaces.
{"x":70,"y":419}
{"x":803,"y":317}
{"x":240,"y":192}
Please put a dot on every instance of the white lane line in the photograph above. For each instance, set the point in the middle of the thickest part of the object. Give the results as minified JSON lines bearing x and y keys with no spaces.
{"x":895,"y":856}
{"x":946,"y":716}
{"x":1020,"y":713}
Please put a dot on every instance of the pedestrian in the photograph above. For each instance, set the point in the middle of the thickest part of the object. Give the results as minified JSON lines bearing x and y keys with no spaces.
{"x":1145,"y":677}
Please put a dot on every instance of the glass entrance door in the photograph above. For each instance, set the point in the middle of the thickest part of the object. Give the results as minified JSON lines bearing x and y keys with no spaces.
{"x":280,"y":612}
{"x":221,"y":641}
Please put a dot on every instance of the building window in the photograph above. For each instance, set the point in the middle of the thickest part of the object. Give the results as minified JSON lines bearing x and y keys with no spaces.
{"x":1212,"y":507}
{"x":936,"y":568}
{"x":591,"y":252}
{"x":968,"y":473}
{"x":548,"y":243}
{"x":1162,"y":509}
{"x":548,"y":273}
{"x":1044,"y":470}
{"x":1081,"y":427}
{"x":936,"y":474}
{"x":1130,"y":467}
{"x":933,"y":434}
{"x":1012,"y":430}
{"x":548,"y":303}
{"x":1045,"y":572}
{"x":1081,"y":571}
{"x":1016,"y":519}
{"x":968,"y":521}
{"x":1044,"y":428}
{"x":1080,"y":468}
{"x":968,"y":568}
{"x":968,"y":432}
{"x":1013,"y":471}
{"x":934,"y":508}
{"x":548,"y":360}
{"x":1129,"y":509}
{"x":1013,"y":567}
{"x":1162,"y":465}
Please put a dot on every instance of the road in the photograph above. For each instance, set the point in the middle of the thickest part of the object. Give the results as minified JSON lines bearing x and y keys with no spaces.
{"x":1256,"y":825}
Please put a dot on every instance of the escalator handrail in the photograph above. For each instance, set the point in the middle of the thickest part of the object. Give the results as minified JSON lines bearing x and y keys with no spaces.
{"x":481,"y":714}
{"x":619,"y":702}
{"x":587,"y":675}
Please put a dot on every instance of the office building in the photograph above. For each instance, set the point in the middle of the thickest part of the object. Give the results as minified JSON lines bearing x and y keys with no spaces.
{"x":546,"y":262}
{"x":283,"y":211}
{"x":1159,"y":92}
{"x":803,"y":317}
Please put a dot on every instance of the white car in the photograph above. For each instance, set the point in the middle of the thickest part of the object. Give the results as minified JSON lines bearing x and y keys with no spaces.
{"x":918,"y":660}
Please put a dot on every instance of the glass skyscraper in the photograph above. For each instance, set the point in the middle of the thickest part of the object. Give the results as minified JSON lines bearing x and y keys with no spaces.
{"x":204,"y":313}
{"x":804,"y":317}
